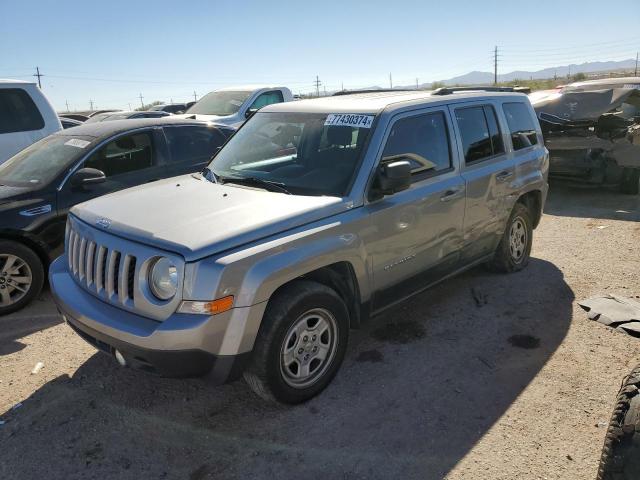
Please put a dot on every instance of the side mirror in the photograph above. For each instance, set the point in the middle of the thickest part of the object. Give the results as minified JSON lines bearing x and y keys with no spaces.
{"x":250,"y":113}
{"x":394,"y":177}
{"x":87,"y":176}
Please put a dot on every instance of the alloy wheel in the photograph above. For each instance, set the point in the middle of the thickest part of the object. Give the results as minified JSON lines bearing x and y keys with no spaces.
{"x":15,"y":279}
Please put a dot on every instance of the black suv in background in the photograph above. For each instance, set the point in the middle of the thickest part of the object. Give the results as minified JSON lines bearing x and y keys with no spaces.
{"x":40,"y":184}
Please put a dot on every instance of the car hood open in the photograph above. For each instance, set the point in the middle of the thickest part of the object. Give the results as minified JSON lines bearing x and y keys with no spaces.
{"x":196,"y":218}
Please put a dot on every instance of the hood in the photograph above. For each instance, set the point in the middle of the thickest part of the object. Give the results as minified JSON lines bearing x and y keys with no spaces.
{"x":582,"y":105}
{"x":8,"y":193}
{"x":196,"y":218}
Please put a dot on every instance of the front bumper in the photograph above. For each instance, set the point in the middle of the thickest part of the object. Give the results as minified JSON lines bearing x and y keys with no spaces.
{"x":181,"y":346}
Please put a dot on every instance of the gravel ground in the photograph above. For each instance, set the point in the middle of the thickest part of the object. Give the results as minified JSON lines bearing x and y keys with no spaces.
{"x":483,"y":377}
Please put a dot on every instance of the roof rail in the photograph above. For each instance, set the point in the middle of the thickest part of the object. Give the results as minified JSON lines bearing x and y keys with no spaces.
{"x":373,"y":90}
{"x":481,"y":88}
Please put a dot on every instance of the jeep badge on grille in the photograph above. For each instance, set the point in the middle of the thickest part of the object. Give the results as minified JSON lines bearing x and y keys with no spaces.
{"x":103,"y":222}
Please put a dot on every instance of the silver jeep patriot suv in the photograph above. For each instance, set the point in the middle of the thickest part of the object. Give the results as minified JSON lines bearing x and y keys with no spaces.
{"x":313,"y":217}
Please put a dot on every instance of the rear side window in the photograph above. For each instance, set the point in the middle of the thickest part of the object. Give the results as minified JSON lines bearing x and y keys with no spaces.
{"x":267,"y":98}
{"x":481,"y":137}
{"x":422,"y":140}
{"x":18,"y":113}
{"x":521,"y":125}
{"x":192,"y":144}
{"x":128,"y":153}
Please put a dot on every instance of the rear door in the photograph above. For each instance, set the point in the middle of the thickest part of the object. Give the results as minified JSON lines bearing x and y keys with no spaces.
{"x":486,"y":170}
{"x":190,"y":147}
{"x":127,"y":160}
{"x":21,"y":123}
{"x":415,"y":236}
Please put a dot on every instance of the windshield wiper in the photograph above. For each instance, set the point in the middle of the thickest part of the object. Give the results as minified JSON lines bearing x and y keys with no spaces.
{"x":267,"y":184}
{"x":209,"y":175}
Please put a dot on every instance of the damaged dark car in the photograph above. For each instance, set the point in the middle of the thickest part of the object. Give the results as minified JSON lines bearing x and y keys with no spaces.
{"x":592,"y":131}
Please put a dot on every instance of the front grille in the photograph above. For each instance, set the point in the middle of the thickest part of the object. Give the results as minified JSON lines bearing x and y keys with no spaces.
{"x":115,"y":269}
{"x":104,"y":271}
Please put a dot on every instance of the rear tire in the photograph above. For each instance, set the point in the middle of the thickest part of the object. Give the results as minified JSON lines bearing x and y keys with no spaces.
{"x":514,"y":248}
{"x":21,"y":276}
{"x":630,"y":183}
{"x":300,"y":345}
{"x":620,"y":459}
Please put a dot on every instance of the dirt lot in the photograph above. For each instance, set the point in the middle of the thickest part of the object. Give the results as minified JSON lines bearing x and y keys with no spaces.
{"x":483,"y":377}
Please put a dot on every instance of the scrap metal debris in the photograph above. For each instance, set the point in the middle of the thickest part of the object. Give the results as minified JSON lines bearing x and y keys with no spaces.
{"x":614,"y":311}
{"x":37,"y":368}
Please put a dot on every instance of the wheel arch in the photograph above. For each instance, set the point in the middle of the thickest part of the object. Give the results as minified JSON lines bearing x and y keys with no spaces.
{"x":31,"y":243}
{"x":533,"y":201}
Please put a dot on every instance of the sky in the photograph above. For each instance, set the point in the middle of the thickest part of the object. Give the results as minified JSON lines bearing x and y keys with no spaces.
{"x":113,"y":51}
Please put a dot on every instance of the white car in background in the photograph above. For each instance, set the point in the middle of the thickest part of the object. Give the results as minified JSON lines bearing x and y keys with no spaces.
{"x":233,"y":105}
{"x":26,"y":116}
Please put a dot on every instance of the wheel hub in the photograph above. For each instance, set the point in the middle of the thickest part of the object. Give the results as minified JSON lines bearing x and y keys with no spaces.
{"x":308,"y":348}
{"x":15,"y":279}
{"x":518,"y":239}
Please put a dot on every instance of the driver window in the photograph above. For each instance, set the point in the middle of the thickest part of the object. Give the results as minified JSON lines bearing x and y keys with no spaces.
{"x":125,"y":154}
{"x":422,"y":140}
{"x":267,"y":98}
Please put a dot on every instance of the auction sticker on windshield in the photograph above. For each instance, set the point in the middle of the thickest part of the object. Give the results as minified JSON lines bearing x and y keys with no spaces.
{"x":349,"y":120}
{"x":76,"y":142}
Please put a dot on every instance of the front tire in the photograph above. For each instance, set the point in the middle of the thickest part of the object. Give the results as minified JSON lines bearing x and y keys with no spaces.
{"x":620,"y":458}
{"x":21,"y":276}
{"x":630,"y":183}
{"x":301,"y":343}
{"x":514,"y":248}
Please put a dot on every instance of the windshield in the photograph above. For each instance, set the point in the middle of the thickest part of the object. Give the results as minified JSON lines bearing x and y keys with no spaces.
{"x":304,"y":153}
{"x":43,"y":161}
{"x":220,"y":103}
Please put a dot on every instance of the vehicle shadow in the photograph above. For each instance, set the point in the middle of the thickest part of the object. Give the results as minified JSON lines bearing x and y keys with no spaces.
{"x":39,"y":315}
{"x":420,"y":386}
{"x":568,"y":200}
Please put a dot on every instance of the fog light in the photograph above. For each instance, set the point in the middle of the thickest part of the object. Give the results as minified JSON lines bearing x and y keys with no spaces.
{"x":121,"y":360}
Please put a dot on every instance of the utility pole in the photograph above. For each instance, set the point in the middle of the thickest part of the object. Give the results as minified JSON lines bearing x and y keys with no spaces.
{"x":195,"y":97}
{"x":67,"y":103}
{"x":141,"y":102}
{"x":390,"y":81}
{"x":318,"y":83}
{"x":635,"y":73}
{"x":417,"y":87}
{"x":91,"y":105}
{"x":342,"y":86}
{"x":38,"y":74}
{"x":495,"y":65}
{"x":130,"y":106}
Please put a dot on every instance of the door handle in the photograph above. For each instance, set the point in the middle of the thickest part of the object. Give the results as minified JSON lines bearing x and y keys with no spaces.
{"x":450,"y":194}
{"x":503,"y":176}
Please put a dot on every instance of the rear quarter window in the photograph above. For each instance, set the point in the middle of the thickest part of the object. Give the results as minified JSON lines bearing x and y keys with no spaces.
{"x":18,"y":112}
{"x":522,"y":128}
{"x":480,"y":133}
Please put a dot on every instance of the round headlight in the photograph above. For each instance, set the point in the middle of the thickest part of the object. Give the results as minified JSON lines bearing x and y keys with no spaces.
{"x":163,"y":279}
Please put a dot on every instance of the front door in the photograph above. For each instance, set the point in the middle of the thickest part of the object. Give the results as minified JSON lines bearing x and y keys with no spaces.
{"x":127,"y":160}
{"x":415,"y":235}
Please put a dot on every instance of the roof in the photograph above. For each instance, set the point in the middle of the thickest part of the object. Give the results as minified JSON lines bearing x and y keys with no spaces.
{"x":248,"y":87}
{"x":106,"y":129}
{"x":8,"y":81}
{"x":606,"y":81}
{"x":374,"y":102}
